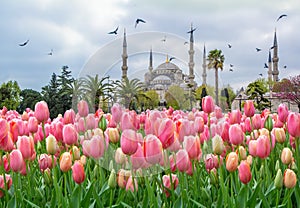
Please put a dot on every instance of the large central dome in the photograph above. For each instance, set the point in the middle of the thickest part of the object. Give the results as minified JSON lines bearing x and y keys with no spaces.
{"x":168,"y":66}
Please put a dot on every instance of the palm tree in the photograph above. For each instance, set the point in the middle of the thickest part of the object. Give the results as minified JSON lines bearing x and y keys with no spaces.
{"x":130,"y":91}
{"x":75,"y":89}
{"x":96,"y":90}
{"x":216,"y":60}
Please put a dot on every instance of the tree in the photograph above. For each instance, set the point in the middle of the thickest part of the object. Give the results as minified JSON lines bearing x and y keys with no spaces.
{"x":216,"y":60}
{"x":256,"y":90}
{"x":176,"y":97}
{"x":75,"y":89}
{"x":96,"y":90}
{"x":288,"y":89}
{"x":29,"y":98}
{"x":151,"y":100}
{"x":227,"y":96}
{"x":64,"y":80}
{"x":129,"y":92}
{"x":10,"y":95}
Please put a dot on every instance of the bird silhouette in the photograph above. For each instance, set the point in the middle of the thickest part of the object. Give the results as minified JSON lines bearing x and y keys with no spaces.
{"x":164,"y":39}
{"x":50,"y":53}
{"x":24,"y":44}
{"x":114,"y":32}
{"x":231,"y":70}
{"x":258,"y":49}
{"x":272,"y":47}
{"x":266,"y":65}
{"x":171,"y":58}
{"x":231,"y":65}
{"x":192,"y":30}
{"x":260,"y":74}
{"x":284,"y":66}
{"x":283,"y":15}
{"x":138,"y":20}
{"x":229,"y":46}
{"x":185,"y":43}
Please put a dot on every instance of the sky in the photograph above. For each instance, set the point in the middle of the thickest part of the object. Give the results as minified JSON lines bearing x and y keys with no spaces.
{"x":77,"y":34}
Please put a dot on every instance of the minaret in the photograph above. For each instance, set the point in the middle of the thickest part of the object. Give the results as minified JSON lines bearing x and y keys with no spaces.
{"x":204,"y":74}
{"x":124,"y":57}
{"x":150,"y":61}
{"x":270,"y":68}
{"x":275,"y":59}
{"x":191,"y":54}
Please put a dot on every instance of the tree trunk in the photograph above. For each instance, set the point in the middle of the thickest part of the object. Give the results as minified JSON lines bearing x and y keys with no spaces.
{"x":217,"y":86}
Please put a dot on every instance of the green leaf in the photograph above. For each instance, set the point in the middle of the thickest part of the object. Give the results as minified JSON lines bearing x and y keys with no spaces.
{"x":252,"y":199}
{"x":86,"y":200}
{"x":12,"y":203}
{"x":177,"y":203}
{"x":242,"y":196}
{"x":31,"y":204}
{"x":75,"y":200}
{"x":125,"y":205}
{"x":197,"y":203}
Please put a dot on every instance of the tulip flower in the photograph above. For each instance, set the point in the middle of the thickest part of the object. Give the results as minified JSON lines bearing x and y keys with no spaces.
{"x":3,"y":186}
{"x":263,"y":147}
{"x":32,"y":125}
{"x":249,"y":108}
{"x":70,"y":135}
{"x":78,"y":172}
{"x":235,"y":117}
{"x":279,"y":135}
{"x":112,"y":135}
{"x":293,"y":124}
{"x":244,"y":172}
{"x":16,"y":160}
{"x":268,"y":123}
{"x":232,"y":161}
{"x":116,"y":112}
{"x":26,"y":145}
{"x":208,"y":105}
{"x":199,"y":124}
{"x":217,"y":145}
{"x":283,"y":112}
{"x":152,"y":149}
{"x":122,"y":178}
{"x":236,"y":134}
{"x":4,"y":127}
{"x":286,"y":156}
{"x":289,"y":178}
{"x":41,"y":111}
{"x":83,"y":108}
{"x":131,"y":184}
{"x":129,"y":142}
{"x":168,"y":185}
{"x":120,"y":157}
{"x":65,"y":161}
{"x":165,"y":132}
{"x":94,"y":147}
{"x":51,"y":144}
{"x":182,"y":160}
{"x":192,"y":145}
{"x":138,"y":159}
{"x":45,"y":162}
{"x":256,"y":121}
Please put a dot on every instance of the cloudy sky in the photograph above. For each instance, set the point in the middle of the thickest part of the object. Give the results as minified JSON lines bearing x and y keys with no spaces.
{"x":77,"y":30}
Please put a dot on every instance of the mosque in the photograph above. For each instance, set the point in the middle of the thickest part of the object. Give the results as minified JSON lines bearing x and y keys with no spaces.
{"x":167,"y":74}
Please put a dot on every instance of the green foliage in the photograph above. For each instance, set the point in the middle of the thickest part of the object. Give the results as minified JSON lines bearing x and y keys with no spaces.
{"x":29,"y":98}
{"x":64,"y":80}
{"x":10,"y":95}
{"x":151,"y":100}
{"x":176,"y":97}
{"x":256,"y":91}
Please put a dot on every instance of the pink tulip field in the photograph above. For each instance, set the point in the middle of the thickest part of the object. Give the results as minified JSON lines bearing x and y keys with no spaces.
{"x":167,"y":158}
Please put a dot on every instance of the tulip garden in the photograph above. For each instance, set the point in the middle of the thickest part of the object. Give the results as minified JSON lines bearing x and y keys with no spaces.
{"x":167,"y":158}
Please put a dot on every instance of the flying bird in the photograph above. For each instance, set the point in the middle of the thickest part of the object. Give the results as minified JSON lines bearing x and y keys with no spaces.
{"x":231,"y":65}
{"x":231,"y":70}
{"x":266,"y":66}
{"x":185,"y":43}
{"x":137,"y":21}
{"x":114,"y":32}
{"x":272,"y":47}
{"x":283,"y":15}
{"x":258,"y":49}
{"x":24,"y":44}
{"x":284,"y":66}
{"x":50,"y":53}
{"x":192,"y":30}
{"x":172,"y":58}
{"x":260,"y":74}
{"x":229,"y":46}
{"x":164,"y":39}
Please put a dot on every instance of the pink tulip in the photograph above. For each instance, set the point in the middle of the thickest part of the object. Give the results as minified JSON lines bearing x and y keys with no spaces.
{"x":112,"y":135}
{"x":256,"y":121}
{"x":138,"y":159}
{"x":236,"y":135}
{"x":16,"y":160}
{"x":208,"y":105}
{"x":116,"y":112}
{"x":249,"y":108}
{"x":78,"y":172}
{"x":83,"y":108}
{"x":232,"y":161}
{"x":289,"y":178}
{"x":192,"y":145}
{"x":131,"y":184}
{"x":45,"y":161}
{"x":263,"y":147}
{"x":129,"y":120}
{"x":120,"y":157}
{"x":32,"y":125}
{"x":199,"y":124}
{"x":283,"y":112}
{"x":152,"y":149}
{"x":235,"y":117}
{"x":69,"y":117}
{"x":150,"y":122}
{"x":81,"y":125}
{"x":129,"y":143}
{"x":26,"y":145}
{"x":293,"y":124}
{"x":90,"y":121}
{"x":279,"y":135}
{"x":94,"y":147}
{"x":65,"y":161}
{"x":247,"y":125}
{"x":41,"y":111}
{"x":244,"y":172}
{"x":70,"y":135}
{"x":4,"y":127}
{"x":182,"y":160}
{"x":165,"y":132}
{"x":286,"y":156}
{"x":168,"y":185}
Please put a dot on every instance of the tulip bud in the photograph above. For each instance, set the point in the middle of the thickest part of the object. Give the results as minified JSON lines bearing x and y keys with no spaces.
{"x":249,"y":108}
{"x":41,"y":111}
{"x":112,"y":180}
{"x":65,"y":161}
{"x":208,"y":105}
{"x":217,"y":145}
{"x":47,"y":176}
{"x":51,"y":144}
{"x":279,"y":135}
{"x":278,"y":182}
{"x":277,"y":165}
{"x":213,"y":176}
{"x":244,"y":172}
{"x":269,"y":123}
{"x":78,"y":172}
{"x":102,"y":123}
{"x":289,"y":178}
{"x":242,"y":153}
{"x":232,"y":161}
{"x":83,"y":108}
